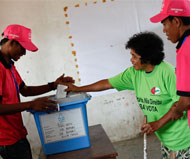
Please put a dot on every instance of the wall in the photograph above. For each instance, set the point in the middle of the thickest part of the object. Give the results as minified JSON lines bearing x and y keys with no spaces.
{"x":118,"y":112}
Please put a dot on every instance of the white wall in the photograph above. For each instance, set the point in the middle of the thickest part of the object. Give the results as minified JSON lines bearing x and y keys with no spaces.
{"x":118,"y":113}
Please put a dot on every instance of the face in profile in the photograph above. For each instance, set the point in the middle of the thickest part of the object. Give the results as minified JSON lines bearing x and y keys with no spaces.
{"x":136,"y":60}
{"x":170,"y":28}
{"x":16,"y":51}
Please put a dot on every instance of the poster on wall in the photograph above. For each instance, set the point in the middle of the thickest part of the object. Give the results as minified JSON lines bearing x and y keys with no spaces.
{"x":100,"y":30}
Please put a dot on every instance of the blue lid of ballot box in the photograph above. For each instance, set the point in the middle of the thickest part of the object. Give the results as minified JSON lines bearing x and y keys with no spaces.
{"x":70,"y":99}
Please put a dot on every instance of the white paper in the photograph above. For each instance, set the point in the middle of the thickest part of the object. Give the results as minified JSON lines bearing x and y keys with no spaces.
{"x":63,"y":125}
{"x":100,"y":32}
{"x":60,"y":93}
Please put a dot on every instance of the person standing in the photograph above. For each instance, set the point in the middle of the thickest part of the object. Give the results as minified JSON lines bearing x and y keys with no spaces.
{"x":13,"y":142}
{"x":175,"y":17}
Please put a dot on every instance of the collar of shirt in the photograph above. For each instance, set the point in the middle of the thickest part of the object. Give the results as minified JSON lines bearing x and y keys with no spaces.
{"x":7,"y":65}
{"x":181,"y":40}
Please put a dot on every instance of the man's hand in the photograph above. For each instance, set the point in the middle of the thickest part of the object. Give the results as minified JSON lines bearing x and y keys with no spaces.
{"x":63,"y":80}
{"x":43,"y":104}
{"x":151,"y":127}
{"x":174,"y":114}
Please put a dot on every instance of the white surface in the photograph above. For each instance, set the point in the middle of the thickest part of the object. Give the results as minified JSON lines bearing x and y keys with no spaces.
{"x":100,"y":32}
{"x":63,"y":125}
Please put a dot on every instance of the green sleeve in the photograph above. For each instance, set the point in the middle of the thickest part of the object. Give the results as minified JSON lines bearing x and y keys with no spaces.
{"x":123,"y":80}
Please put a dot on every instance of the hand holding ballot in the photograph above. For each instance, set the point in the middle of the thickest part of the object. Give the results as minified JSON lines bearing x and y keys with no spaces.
{"x":71,"y":87}
{"x":63,"y":80}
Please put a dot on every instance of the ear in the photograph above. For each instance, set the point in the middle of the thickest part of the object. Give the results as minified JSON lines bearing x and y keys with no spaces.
{"x":177,"y":21}
{"x":13,"y":42}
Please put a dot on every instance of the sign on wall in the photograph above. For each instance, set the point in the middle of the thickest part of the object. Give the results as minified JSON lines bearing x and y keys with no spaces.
{"x":99,"y":32}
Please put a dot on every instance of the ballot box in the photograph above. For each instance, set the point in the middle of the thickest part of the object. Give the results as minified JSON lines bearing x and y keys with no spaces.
{"x":66,"y":129}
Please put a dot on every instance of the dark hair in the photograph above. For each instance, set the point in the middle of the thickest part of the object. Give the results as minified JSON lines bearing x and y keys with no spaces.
{"x":185,"y":20}
{"x":149,"y":46}
{"x":4,"y":40}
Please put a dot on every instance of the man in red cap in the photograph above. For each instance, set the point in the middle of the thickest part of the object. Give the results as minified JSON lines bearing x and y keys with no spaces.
{"x":175,"y":17}
{"x":13,"y":143}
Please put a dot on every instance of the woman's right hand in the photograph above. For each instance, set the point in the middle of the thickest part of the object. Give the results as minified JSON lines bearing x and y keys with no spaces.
{"x":71,"y":87}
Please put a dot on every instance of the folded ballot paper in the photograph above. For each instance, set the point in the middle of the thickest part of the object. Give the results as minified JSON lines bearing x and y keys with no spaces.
{"x":61,"y":91}
{"x":62,"y":96}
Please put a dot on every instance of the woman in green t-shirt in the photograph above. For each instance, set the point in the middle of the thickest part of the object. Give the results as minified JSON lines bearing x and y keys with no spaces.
{"x":154,"y":83}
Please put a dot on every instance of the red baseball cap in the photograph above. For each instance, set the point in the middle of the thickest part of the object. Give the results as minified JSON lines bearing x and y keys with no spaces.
{"x":173,"y":8}
{"x":20,"y":34}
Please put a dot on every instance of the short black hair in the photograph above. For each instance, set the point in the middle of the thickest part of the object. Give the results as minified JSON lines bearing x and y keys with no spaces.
{"x":185,"y":20}
{"x":4,"y":40}
{"x":149,"y":46}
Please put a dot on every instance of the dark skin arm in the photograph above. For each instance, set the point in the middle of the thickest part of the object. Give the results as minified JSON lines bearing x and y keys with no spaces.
{"x":97,"y":86}
{"x":41,"y":104}
{"x":182,"y":105}
{"x":37,"y":90}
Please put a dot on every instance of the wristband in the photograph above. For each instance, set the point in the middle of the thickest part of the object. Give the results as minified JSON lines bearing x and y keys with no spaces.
{"x":51,"y":85}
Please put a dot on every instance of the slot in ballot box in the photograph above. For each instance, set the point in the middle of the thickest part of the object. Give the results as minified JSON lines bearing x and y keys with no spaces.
{"x":67,"y":129}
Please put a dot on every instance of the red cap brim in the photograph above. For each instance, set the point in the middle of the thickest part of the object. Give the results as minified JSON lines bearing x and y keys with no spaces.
{"x":158,"y":18}
{"x":29,"y":46}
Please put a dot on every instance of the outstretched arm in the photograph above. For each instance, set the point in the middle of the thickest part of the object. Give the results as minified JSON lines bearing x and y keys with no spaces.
{"x":97,"y":86}
{"x":38,"y":90}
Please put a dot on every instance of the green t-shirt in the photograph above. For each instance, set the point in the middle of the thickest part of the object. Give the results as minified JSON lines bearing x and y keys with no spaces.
{"x":155,"y":93}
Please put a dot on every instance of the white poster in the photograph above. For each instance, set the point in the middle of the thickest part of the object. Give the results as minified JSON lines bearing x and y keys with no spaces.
{"x":63,"y":125}
{"x":100,"y":31}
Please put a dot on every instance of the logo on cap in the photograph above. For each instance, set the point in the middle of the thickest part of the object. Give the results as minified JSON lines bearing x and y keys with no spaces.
{"x":176,"y":10}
